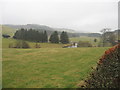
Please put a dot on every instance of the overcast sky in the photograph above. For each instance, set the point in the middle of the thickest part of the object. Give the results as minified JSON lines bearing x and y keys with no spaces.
{"x":81,"y":15}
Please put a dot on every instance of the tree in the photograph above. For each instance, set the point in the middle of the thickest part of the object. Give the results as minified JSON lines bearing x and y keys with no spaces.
{"x":95,"y":40}
{"x":103,"y":37}
{"x":64,"y":38}
{"x":45,"y":37}
{"x":20,"y":34}
{"x":54,"y":37}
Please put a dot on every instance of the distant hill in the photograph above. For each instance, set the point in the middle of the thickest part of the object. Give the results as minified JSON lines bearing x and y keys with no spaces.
{"x":29,"y":26}
{"x":10,"y":29}
{"x":40,"y":28}
{"x":65,"y":29}
{"x":94,"y":35}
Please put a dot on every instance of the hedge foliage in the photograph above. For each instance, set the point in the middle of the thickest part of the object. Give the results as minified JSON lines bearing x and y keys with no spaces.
{"x":107,"y":72}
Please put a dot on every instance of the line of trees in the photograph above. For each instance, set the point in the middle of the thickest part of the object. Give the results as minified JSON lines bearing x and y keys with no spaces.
{"x":36,"y":36}
{"x":31,"y":35}
{"x":54,"y":38}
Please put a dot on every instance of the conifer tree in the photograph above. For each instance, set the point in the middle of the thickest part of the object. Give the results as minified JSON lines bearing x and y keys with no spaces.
{"x":54,"y":37}
{"x":64,"y":38}
{"x":45,"y":36}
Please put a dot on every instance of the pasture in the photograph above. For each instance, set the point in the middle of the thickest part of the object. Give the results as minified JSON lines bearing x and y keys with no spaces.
{"x":47,"y":67}
{"x":6,"y":42}
{"x":86,"y":38}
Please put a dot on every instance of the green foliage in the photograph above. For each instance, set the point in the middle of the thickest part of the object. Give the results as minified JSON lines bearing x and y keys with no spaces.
{"x":107,"y":72}
{"x":31,"y":35}
{"x":84,"y":44}
{"x":54,"y":37}
{"x":64,"y":38}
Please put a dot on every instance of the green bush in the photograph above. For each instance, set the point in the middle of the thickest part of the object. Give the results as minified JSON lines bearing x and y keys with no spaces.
{"x":84,"y":44}
{"x":107,"y":72}
{"x":19,"y":44}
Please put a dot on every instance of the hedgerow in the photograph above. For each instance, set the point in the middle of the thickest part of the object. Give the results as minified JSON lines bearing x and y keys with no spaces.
{"x":107,"y":72}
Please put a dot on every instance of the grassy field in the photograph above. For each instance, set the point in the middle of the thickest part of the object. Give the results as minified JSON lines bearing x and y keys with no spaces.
{"x":85,"y":38}
{"x":6,"y":42}
{"x":47,"y":67}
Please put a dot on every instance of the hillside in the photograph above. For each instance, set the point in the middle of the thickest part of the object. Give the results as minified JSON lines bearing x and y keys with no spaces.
{"x":29,"y":26}
{"x":39,"y":27}
{"x":8,"y":30}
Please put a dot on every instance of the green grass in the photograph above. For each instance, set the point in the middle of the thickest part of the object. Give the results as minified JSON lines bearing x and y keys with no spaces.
{"x":85,"y":38}
{"x":6,"y":42}
{"x":52,"y":67}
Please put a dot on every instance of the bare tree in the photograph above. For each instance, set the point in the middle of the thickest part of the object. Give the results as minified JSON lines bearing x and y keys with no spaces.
{"x":103,"y":31}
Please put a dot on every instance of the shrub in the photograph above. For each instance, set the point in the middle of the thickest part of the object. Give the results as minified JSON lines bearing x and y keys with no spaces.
{"x":19,"y":44}
{"x":107,"y":72}
{"x":84,"y":44}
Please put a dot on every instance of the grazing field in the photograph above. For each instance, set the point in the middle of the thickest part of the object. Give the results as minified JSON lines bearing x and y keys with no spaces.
{"x":6,"y":42}
{"x":47,"y":67}
{"x":85,"y":38}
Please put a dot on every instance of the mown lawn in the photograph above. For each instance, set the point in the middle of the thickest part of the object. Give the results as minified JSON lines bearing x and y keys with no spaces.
{"x":48,"y":67}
